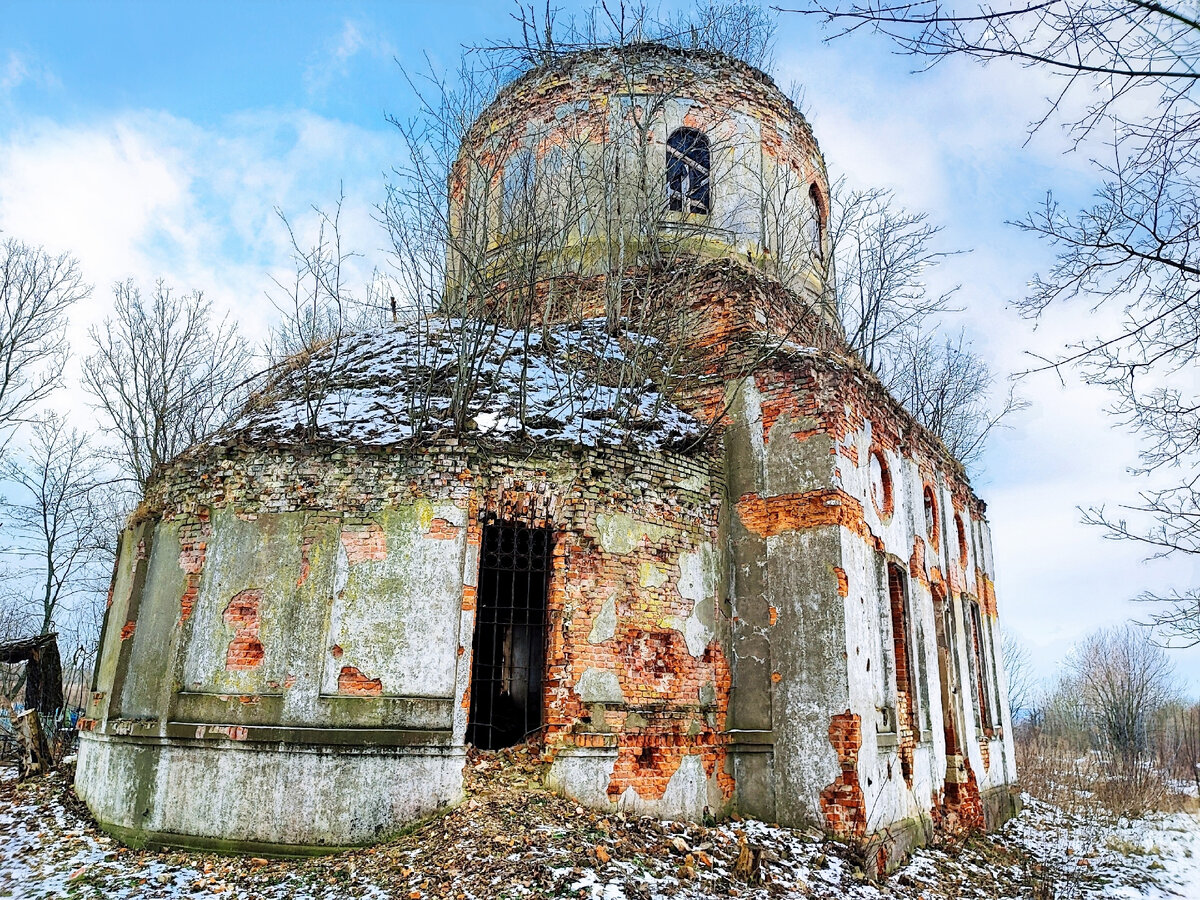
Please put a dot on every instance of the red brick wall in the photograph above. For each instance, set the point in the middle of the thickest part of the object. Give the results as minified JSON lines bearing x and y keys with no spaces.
{"x":842,"y":802}
{"x":906,"y":724}
{"x":242,"y":614}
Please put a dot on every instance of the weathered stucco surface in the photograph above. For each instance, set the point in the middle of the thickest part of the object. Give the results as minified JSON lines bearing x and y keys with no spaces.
{"x":794,"y":618}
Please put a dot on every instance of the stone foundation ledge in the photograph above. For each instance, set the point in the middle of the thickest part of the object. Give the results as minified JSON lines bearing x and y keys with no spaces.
{"x":263,"y":797}
{"x":890,"y":847}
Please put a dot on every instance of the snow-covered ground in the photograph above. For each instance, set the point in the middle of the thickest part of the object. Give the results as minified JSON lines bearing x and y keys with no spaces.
{"x":512,"y":839}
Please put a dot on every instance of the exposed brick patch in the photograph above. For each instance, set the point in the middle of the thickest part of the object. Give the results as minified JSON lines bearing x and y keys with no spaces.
{"x":233,"y":732}
{"x":987,"y":593}
{"x":770,"y":516}
{"x":772,"y":616}
{"x":352,"y":681}
{"x":245,"y":651}
{"x":916,"y":563}
{"x":194,"y":535}
{"x":646,"y":763}
{"x":306,"y":546}
{"x":364,"y":543}
{"x":336,"y":651}
{"x":907,"y":726}
{"x":443,"y":530}
{"x":314,"y":530}
{"x":128,"y":629}
{"x":843,"y":583}
{"x":960,"y":808}
{"x":985,"y":750}
{"x":653,"y":664}
{"x":842,"y":802}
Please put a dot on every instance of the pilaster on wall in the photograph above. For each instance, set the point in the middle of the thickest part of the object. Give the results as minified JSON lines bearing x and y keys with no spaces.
{"x":785,"y":520}
{"x":750,"y":702}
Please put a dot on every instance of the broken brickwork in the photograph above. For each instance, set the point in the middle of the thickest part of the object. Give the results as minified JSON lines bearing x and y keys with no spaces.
{"x":842,"y":801}
{"x":245,"y":650}
{"x":733,"y":607}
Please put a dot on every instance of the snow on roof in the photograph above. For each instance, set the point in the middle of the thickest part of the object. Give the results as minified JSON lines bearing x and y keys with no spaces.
{"x":385,"y":386}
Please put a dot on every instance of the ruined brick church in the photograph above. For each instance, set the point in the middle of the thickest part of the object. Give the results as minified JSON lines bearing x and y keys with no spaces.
{"x":761,"y":589}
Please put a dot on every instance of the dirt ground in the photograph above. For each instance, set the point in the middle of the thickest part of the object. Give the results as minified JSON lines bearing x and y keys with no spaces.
{"x":511,"y":838}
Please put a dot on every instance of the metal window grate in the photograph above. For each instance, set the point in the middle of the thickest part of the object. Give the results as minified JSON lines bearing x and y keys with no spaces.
{"x":689,"y":161}
{"x":509,"y":652}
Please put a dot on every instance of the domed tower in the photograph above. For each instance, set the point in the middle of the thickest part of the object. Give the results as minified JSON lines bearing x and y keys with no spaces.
{"x":642,"y":156}
{"x":724,"y":572}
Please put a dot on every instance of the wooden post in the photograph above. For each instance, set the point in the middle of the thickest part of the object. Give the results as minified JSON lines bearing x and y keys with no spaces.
{"x":35,"y":756}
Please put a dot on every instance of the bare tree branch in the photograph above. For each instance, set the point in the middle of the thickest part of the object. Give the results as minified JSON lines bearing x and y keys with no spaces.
{"x":162,"y":375}
{"x":36,"y":291}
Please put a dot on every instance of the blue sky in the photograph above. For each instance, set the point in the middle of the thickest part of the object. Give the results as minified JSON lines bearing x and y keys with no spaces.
{"x":158,"y":140}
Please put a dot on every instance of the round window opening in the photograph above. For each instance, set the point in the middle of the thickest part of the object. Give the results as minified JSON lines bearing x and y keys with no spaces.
{"x":962,"y":540}
{"x":931,"y":517}
{"x":881,"y":485}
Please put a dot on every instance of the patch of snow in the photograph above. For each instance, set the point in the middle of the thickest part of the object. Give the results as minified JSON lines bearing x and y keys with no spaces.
{"x":565,"y":382}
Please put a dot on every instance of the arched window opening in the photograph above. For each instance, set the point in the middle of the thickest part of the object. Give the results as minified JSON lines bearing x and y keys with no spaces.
{"x":689,"y":161}
{"x":817,"y":222}
{"x":983,"y":706}
{"x":962,"y":540}
{"x":907,"y":676}
{"x":931,"y":517}
{"x":881,"y":485}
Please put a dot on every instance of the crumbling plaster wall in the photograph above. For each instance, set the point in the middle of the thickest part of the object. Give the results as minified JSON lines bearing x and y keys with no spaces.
{"x":292,"y":622}
{"x":811,"y":534}
{"x":593,"y":130}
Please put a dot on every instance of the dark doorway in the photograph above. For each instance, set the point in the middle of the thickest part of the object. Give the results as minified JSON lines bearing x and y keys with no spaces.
{"x":509,"y":649}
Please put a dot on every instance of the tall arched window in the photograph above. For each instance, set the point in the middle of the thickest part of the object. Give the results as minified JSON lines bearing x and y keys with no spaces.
{"x":688,"y":163}
{"x":817,"y":235}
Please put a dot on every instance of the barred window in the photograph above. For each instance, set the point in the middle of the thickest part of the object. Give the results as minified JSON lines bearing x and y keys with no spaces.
{"x":689,"y":161}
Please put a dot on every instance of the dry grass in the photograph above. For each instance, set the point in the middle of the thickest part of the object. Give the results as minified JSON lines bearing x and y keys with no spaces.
{"x":1090,"y":782}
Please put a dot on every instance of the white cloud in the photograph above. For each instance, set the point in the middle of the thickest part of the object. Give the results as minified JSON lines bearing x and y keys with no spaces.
{"x":18,"y":69}
{"x":333,"y":61}
{"x":148,"y":195}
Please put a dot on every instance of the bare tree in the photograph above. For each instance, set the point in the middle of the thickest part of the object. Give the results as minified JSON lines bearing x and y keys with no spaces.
{"x":498,"y":231}
{"x":163,"y":375}
{"x":883,"y":254}
{"x":317,"y":310}
{"x":1185,"y":724}
{"x":36,"y":290}
{"x":1135,"y":65}
{"x":948,"y":389}
{"x":1124,"y":680}
{"x":60,"y":529}
{"x":738,"y":28}
{"x":1022,"y":683}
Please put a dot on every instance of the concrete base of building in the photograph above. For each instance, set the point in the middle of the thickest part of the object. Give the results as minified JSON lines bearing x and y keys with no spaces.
{"x":584,"y":775}
{"x":1000,"y":804}
{"x":890,"y":847}
{"x":246,"y":796}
